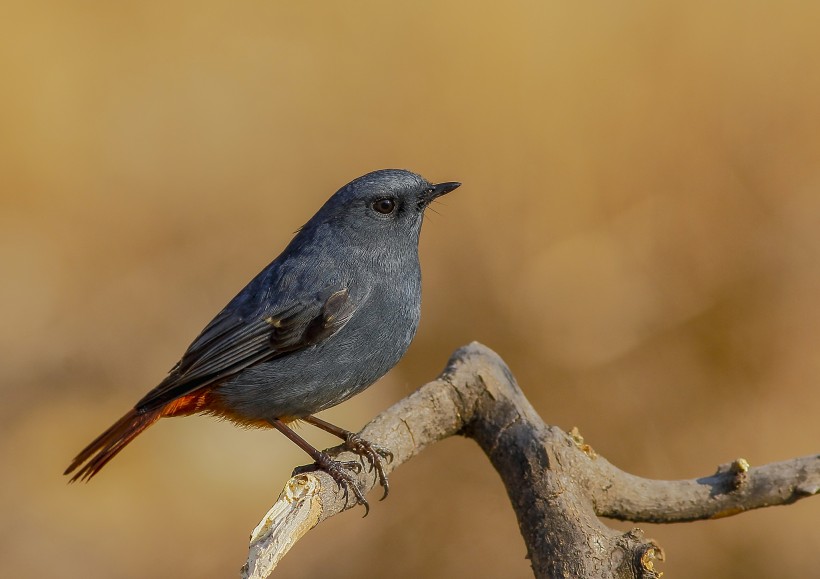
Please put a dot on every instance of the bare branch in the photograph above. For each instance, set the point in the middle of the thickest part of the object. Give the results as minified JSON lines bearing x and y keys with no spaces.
{"x":558,"y":486}
{"x":734,"y":488}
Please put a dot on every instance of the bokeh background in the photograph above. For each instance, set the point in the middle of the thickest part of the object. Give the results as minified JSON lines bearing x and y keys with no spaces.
{"x":638,"y":235}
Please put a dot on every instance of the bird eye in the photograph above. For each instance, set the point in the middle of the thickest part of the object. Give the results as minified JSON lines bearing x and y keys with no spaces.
{"x":384,"y":206}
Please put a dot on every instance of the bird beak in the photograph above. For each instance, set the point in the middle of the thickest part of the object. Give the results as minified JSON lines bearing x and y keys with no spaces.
{"x":441,"y":189}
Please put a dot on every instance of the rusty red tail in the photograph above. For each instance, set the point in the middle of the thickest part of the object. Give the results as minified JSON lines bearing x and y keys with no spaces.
{"x":109,"y":443}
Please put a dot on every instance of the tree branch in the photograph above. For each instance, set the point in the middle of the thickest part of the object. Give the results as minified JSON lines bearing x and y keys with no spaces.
{"x":558,"y":486}
{"x":734,"y":488}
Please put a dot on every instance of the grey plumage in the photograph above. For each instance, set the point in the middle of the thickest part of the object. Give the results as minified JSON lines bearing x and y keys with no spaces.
{"x":330,"y":316}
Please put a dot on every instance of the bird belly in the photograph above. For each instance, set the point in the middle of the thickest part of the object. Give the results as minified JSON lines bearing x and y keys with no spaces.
{"x":321,"y":376}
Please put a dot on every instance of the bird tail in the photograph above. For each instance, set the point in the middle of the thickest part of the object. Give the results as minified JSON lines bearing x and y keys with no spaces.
{"x":106,"y":446}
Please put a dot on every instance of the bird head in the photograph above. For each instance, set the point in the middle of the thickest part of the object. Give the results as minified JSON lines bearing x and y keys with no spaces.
{"x":390,"y":202}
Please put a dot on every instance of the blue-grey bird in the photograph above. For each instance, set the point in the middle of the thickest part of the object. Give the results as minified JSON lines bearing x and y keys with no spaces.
{"x":325,"y":320}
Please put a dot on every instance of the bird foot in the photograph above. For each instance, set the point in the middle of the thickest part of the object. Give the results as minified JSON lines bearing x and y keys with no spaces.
{"x":374,"y":454}
{"x":340,"y":471}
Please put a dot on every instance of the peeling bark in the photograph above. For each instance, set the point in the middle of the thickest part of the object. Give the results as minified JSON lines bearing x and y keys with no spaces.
{"x":557,"y":484}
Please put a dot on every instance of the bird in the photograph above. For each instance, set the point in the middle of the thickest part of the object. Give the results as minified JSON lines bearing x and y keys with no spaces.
{"x":333,"y":313}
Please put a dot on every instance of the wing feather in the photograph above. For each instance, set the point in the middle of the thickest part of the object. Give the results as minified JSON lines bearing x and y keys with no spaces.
{"x":230,"y":343}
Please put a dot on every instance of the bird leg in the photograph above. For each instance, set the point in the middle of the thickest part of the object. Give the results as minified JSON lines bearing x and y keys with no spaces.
{"x":338,"y":470}
{"x":355,"y":443}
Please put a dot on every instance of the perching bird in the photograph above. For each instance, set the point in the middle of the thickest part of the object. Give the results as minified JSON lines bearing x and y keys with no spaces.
{"x":325,"y":320}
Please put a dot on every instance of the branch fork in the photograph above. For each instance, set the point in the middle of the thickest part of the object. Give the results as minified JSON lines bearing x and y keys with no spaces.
{"x":557,"y":484}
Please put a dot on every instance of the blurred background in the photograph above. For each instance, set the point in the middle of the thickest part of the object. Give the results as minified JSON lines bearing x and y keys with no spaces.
{"x":637,"y":236}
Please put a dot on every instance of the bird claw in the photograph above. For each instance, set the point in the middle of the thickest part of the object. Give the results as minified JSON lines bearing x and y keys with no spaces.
{"x":374,"y":455}
{"x":339,"y":472}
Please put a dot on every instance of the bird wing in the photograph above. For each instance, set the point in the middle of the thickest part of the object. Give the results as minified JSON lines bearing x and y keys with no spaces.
{"x":231,"y":343}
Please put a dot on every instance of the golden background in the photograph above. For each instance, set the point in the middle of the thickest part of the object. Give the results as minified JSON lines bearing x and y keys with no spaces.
{"x":638,"y":235}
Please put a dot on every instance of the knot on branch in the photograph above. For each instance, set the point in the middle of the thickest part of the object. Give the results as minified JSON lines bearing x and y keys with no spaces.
{"x":638,"y":556}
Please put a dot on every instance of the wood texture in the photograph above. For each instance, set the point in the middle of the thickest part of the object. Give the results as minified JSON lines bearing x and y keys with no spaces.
{"x":557,"y":484}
